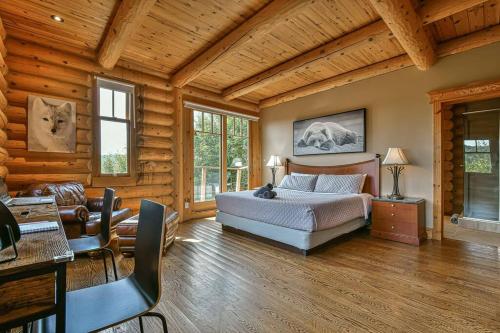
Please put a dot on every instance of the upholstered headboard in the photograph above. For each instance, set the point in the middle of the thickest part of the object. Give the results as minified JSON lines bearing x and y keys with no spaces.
{"x":371,"y":168}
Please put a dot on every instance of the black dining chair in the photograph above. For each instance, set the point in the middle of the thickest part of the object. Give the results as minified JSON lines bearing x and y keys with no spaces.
{"x":106,"y":305}
{"x":99,"y":242}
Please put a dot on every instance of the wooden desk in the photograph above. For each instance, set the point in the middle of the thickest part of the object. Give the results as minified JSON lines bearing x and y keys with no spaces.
{"x":34,"y":285}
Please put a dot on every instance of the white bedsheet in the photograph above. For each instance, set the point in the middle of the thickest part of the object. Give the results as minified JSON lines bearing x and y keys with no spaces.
{"x":308,"y":211}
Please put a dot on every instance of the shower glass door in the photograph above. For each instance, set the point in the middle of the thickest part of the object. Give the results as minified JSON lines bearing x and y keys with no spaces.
{"x":481,"y":165}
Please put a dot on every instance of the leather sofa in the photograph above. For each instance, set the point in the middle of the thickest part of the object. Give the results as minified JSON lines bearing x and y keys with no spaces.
{"x":80,"y":215}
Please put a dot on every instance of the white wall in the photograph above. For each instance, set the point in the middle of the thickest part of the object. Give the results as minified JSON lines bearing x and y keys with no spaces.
{"x":398,"y":115}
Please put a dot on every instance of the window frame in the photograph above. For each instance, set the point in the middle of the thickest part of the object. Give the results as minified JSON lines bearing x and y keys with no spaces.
{"x":129,"y":178}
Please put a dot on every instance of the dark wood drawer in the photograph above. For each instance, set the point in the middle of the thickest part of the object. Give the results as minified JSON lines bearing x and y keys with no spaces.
{"x":401,"y":213}
{"x":403,"y":222}
{"x":395,"y":225}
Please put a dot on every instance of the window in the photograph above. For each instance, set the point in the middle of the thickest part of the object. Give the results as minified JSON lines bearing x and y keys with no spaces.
{"x":219,"y":140}
{"x":114,"y":122}
{"x":477,"y":156}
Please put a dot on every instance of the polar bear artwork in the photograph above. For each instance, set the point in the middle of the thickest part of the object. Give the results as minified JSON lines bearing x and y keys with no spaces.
{"x":324,"y":135}
{"x":338,"y":133}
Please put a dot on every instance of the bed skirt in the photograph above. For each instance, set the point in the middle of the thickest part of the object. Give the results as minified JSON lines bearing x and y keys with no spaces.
{"x":299,"y":239}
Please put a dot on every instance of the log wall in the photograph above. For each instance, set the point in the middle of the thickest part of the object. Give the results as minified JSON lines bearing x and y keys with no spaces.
{"x":458,"y":159}
{"x":38,"y":70}
{"x":448,"y":166}
{"x":3,"y":105}
{"x":453,"y":150}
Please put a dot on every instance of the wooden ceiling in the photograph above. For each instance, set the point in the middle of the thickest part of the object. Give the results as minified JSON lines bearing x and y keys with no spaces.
{"x":260,"y":50}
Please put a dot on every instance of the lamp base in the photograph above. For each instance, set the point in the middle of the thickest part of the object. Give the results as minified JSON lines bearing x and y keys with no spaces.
{"x":395,"y":196}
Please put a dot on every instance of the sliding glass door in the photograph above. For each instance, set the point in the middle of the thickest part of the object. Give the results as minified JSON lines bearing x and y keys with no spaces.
{"x":207,"y":143}
{"x":481,"y":165}
{"x":218,"y":140}
{"x":237,"y":154}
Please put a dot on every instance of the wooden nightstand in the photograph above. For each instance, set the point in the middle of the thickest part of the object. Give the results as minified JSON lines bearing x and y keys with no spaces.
{"x":399,"y":220}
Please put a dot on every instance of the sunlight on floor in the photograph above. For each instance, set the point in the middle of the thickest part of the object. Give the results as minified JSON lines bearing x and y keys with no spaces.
{"x":189,"y":240}
{"x":454,"y":231}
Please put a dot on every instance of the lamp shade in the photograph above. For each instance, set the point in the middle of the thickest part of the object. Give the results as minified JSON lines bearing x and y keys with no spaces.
{"x":274,"y":161}
{"x":237,"y":163}
{"x":395,"y":156}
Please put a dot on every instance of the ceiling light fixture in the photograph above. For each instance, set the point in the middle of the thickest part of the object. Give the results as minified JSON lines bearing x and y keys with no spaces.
{"x":57,"y":18}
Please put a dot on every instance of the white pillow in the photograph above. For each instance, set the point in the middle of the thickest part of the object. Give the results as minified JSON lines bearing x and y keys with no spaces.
{"x":299,"y":183}
{"x":339,"y":183}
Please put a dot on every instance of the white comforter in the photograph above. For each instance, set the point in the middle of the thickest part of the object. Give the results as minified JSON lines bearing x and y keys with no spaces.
{"x":308,"y":211}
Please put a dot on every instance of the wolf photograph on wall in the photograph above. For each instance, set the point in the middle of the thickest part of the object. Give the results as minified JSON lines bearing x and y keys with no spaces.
{"x":337,"y":133}
{"x":51,"y":125}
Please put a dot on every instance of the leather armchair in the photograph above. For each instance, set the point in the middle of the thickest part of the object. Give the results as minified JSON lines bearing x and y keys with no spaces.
{"x":79,"y":214}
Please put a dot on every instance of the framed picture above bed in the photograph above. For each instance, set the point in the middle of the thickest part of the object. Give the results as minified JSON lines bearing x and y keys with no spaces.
{"x":343,"y":132}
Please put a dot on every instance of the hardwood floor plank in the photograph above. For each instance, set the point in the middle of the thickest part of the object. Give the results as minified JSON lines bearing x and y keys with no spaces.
{"x":217,"y":281}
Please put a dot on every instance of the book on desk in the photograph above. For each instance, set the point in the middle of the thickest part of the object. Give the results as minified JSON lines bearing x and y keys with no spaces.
{"x":42,"y":226}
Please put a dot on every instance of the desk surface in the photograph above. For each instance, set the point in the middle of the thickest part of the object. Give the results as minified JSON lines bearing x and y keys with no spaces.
{"x":37,"y":250}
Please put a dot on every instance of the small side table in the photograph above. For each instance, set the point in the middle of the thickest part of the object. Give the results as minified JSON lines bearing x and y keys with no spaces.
{"x":399,"y":220}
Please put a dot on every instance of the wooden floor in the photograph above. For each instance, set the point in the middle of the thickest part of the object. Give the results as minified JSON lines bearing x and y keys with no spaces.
{"x":216,"y":281}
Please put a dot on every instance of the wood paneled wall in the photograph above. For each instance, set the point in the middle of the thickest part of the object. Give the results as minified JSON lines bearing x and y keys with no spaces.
{"x":38,"y":70}
{"x":3,"y":104}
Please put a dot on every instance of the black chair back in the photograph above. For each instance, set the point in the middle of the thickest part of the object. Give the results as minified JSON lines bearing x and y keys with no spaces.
{"x":148,"y":248}
{"x":107,"y":214}
{"x":7,"y":220}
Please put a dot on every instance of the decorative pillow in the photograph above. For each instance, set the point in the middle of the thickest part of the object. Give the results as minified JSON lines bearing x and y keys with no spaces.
{"x":339,"y":183}
{"x":299,"y":183}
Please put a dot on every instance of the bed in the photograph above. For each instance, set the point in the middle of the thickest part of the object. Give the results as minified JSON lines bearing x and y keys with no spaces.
{"x":298,"y":220}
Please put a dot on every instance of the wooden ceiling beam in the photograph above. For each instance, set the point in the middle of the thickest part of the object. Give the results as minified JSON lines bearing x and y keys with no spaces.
{"x":203,"y":96}
{"x":430,"y":12}
{"x":474,"y":40}
{"x":434,"y":10}
{"x":126,"y":20}
{"x":330,"y":51}
{"x":258,"y":25}
{"x":359,"y":74}
{"x":407,"y":27}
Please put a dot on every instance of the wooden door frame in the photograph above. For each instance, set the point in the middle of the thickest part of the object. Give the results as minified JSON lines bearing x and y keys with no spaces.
{"x":443,"y":100}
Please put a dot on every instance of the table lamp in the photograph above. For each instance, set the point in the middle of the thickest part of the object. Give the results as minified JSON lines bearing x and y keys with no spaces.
{"x":395,"y":160}
{"x":274,"y":163}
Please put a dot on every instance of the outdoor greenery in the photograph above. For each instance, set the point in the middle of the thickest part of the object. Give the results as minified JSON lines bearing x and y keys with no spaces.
{"x":478,"y":162}
{"x":477,"y":156}
{"x":114,"y":164}
{"x":207,"y":152}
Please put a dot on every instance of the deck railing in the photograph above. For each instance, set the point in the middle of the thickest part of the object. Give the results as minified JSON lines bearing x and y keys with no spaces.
{"x":204,"y":172}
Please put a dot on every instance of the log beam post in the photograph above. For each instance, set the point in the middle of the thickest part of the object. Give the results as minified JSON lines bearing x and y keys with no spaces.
{"x":258,"y":25}
{"x":127,"y":18}
{"x":407,"y":27}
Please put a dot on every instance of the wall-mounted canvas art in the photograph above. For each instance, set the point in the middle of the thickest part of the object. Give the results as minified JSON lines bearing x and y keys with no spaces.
{"x":334,"y":134}
{"x":51,"y":125}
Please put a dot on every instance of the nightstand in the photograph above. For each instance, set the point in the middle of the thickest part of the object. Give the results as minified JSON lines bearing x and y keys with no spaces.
{"x":399,"y":220}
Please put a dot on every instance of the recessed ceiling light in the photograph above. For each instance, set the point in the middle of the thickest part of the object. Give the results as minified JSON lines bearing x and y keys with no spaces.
{"x":57,"y":18}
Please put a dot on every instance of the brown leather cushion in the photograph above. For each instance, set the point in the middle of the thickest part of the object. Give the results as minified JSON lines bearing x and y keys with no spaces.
{"x":66,"y":194}
{"x":128,"y":227}
{"x":93,"y":225}
{"x":127,"y":230}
